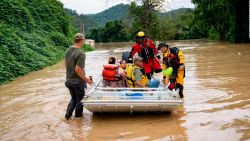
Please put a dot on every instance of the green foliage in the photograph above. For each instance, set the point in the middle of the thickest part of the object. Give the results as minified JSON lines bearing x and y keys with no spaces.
{"x":213,"y":34}
{"x":91,"y":21}
{"x":179,"y":25}
{"x":87,"y":47}
{"x":113,"y":31}
{"x":214,"y":19}
{"x":34,"y":34}
{"x":118,"y":12}
{"x":81,"y":20}
{"x":168,"y":29}
{"x":175,"y":24}
{"x":59,"y":39}
{"x":15,"y":13}
{"x":223,"y":19}
{"x":145,"y":15}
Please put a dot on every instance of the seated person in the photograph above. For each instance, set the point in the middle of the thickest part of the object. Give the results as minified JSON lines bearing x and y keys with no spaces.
{"x":123,"y":64}
{"x":113,"y":75}
{"x":137,"y":77}
{"x":123,"y":67}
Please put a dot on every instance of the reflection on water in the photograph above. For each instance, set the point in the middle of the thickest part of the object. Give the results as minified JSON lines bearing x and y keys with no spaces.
{"x":218,"y":103}
{"x":216,"y":107}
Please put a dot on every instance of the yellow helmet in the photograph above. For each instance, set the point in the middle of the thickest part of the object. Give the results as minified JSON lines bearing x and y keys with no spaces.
{"x":141,"y":34}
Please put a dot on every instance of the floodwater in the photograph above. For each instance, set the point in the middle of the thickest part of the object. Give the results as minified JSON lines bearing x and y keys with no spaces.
{"x":216,"y":106}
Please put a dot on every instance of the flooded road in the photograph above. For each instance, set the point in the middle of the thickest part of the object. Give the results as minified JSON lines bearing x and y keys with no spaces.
{"x":216,"y":107}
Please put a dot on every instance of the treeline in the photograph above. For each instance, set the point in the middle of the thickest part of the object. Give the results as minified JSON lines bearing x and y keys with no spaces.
{"x":80,"y":20}
{"x":90,"y":21}
{"x":213,"y":19}
{"x":113,"y":31}
{"x":174,"y":25}
{"x":223,"y":19}
{"x":118,"y":12}
{"x":171,"y":25}
{"x":34,"y":34}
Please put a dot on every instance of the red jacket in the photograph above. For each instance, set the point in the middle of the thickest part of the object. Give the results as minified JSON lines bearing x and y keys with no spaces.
{"x":137,"y":47}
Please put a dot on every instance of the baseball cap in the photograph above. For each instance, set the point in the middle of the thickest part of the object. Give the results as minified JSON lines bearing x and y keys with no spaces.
{"x":79,"y":36}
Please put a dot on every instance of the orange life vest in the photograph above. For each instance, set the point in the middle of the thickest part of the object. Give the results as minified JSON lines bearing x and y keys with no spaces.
{"x":110,"y":72}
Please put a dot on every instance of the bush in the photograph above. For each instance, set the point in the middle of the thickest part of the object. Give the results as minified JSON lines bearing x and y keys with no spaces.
{"x":87,"y":47}
{"x":33,"y":35}
{"x":214,"y":35}
{"x":59,"y":39}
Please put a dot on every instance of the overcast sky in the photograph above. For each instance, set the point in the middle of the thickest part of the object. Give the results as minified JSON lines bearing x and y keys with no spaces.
{"x":96,"y":6}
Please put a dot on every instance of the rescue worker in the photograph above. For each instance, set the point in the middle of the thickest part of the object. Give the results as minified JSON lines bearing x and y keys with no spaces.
{"x":146,"y":50}
{"x":113,"y":75}
{"x":174,"y":58}
{"x":136,"y":75}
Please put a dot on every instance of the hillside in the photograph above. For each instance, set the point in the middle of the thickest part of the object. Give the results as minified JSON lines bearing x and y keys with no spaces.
{"x":118,"y":12}
{"x":90,"y":21}
{"x":79,"y":20}
{"x":173,"y":14}
{"x":34,"y":34}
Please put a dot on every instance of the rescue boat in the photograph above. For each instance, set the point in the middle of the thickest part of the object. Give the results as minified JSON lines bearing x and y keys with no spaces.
{"x":119,"y":100}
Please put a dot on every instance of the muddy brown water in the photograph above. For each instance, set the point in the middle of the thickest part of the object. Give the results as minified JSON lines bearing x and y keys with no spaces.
{"x":216,"y":107}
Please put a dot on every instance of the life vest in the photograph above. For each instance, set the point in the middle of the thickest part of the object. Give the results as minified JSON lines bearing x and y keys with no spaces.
{"x":146,"y":50}
{"x":129,"y":73}
{"x":144,"y":79}
{"x":172,"y":60}
{"x":131,"y":76}
{"x":110,"y":72}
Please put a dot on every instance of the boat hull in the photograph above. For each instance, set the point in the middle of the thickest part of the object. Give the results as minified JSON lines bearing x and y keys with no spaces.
{"x":110,"y":106}
{"x":118,"y":100}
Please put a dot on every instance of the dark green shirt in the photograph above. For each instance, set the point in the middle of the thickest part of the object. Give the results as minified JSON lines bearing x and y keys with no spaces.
{"x":74,"y":56}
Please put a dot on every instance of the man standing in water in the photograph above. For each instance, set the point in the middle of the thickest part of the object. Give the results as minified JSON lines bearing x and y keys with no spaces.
{"x":75,"y":76}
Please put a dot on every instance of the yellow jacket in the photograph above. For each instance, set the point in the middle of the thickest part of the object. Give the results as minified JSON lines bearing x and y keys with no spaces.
{"x":131,"y":76}
{"x":180,"y":56}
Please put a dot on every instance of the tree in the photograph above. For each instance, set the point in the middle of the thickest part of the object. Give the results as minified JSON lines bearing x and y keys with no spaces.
{"x":34,"y":34}
{"x":227,"y":19}
{"x":145,"y":15}
{"x":113,"y":31}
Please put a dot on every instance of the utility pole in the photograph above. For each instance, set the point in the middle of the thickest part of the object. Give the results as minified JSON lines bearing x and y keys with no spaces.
{"x":82,"y":29}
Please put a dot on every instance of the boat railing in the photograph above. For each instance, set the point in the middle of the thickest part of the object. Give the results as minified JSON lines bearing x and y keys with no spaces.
{"x":133,"y":95}
{"x":107,"y":93}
